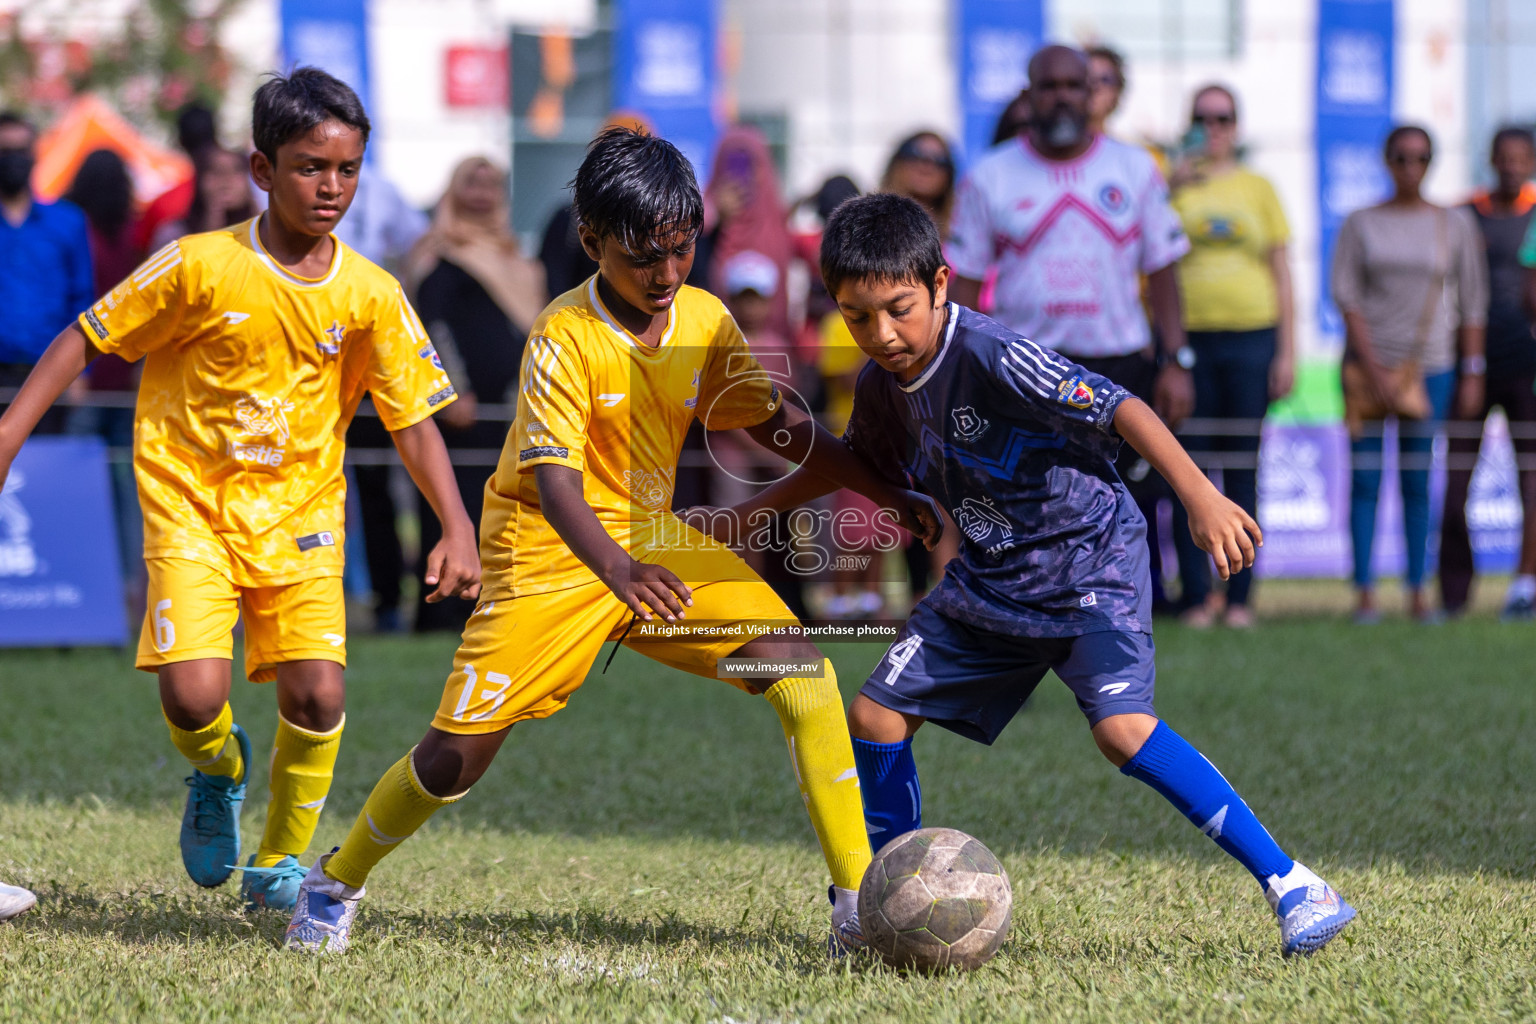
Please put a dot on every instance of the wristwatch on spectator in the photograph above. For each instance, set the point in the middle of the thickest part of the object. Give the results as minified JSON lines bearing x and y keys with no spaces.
{"x":1474,"y":366}
{"x":1183,"y":357}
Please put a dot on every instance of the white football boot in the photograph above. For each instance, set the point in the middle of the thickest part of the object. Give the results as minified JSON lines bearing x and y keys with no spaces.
{"x":322,"y":916}
{"x":15,"y":901}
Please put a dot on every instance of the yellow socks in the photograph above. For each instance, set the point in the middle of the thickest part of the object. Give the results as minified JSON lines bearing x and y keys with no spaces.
{"x":396,"y":808}
{"x":811,"y":711}
{"x":209,"y":748}
{"x":302,"y":765}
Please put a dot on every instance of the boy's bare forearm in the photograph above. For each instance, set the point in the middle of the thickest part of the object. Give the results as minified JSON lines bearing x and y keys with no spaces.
{"x":1144,"y":431}
{"x":822,"y":454}
{"x":799,"y":488}
{"x":65,"y":359}
{"x":565,"y":507}
{"x":425,"y":456}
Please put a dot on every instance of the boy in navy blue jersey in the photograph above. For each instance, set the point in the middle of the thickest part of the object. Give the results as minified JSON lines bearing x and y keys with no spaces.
{"x":1018,"y":443}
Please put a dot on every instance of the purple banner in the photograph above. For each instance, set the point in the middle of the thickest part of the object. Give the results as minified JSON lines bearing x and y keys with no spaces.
{"x":1304,"y":503}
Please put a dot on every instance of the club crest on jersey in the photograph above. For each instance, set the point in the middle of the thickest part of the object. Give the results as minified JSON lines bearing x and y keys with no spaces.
{"x":336,"y":335}
{"x":1112,"y":198}
{"x":429,"y":353}
{"x":689,"y":403}
{"x":1075,"y":393}
{"x":968,"y":425}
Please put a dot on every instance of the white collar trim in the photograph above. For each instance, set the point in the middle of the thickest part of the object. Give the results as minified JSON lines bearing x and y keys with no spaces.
{"x":287,"y":275}
{"x":607,"y":318}
{"x":949,"y":336}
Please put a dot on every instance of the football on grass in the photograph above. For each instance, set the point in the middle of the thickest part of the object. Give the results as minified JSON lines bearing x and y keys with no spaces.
{"x":935,"y":898}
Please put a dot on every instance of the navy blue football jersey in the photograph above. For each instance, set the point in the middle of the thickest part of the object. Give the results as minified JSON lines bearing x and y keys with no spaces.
{"x":1018,"y":444}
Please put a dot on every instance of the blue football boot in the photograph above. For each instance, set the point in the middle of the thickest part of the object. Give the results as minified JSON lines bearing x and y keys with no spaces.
{"x":210,"y":826}
{"x":1311,"y":913}
{"x":273,"y":888}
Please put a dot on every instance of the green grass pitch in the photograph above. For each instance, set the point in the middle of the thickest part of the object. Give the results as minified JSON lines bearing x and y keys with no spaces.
{"x":644,"y":855}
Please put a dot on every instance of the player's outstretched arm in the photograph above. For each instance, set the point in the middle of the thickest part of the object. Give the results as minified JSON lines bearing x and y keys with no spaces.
{"x":789,"y":432}
{"x":643,"y":587}
{"x":1218,"y":525}
{"x":66,"y":358}
{"x":453,"y":565}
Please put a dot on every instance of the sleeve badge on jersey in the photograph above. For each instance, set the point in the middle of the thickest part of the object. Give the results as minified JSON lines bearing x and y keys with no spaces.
{"x":429,"y":353}
{"x":544,"y":451}
{"x":1075,"y":393}
{"x":96,"y":325}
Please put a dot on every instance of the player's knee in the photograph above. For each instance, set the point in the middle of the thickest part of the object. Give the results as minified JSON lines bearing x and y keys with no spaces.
{"x":1119,"y":737}
{"x":447,"y":764}
{"x":193,"y":694}
{"x":876,"y":724}
{"x":312,"y":694}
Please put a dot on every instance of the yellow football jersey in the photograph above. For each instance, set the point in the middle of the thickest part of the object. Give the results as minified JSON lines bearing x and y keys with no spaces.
{"x":251,"y":375}
{"x":594,"y":398}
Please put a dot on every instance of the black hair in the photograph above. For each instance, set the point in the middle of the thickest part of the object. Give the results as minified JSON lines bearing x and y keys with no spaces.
{"x":834,"y":192}
{"x":10,"y":117}
{"x":1014,"y":118}
{"x":103,"y":189}
{"x":1511,"y":133}
{"x":286,"y":107}
{"x":1401,"y":131}
{"x":196,"y":128}
{"x":885,"y":238}
{"x":635,"y":187}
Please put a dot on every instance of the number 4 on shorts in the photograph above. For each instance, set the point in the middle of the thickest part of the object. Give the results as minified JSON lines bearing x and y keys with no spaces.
{"x":899,"y":655}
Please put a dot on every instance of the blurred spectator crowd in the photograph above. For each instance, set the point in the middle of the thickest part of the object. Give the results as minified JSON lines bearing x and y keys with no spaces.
{"x":1164,"y":269}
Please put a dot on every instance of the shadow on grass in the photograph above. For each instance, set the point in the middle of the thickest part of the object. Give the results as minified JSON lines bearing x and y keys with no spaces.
{"x":1396,"y":744}
{"x":153,"y":918}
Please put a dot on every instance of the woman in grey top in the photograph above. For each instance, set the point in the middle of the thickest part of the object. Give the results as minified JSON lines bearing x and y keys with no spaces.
{"x":1410,"y":280}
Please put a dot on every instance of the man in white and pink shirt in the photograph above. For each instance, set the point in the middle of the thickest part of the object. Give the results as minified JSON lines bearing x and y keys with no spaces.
{"x":1069,"y":222}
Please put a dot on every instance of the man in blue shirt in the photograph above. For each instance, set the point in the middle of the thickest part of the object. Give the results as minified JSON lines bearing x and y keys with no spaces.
{"x":45,"y":258}
{"x":1019,"y":444}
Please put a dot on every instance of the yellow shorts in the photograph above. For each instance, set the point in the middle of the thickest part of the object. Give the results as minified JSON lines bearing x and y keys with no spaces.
{"x":192,"y":609}
{"x":523,"y":657}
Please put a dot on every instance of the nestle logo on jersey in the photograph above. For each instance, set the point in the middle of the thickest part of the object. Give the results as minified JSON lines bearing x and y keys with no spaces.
{"x":257,"y":454}
{"x":1075,"y":393}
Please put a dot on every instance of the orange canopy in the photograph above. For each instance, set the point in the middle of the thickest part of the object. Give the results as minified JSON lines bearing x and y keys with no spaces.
{"x":90,"y":124}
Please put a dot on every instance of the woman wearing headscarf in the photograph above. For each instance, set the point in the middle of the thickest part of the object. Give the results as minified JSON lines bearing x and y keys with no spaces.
{"x":478,"y":297}
{"x":747,"y":213}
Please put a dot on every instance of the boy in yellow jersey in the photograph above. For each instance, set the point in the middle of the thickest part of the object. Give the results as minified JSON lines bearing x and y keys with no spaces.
{"x":259,"y":342}
{"x":580,"y":546}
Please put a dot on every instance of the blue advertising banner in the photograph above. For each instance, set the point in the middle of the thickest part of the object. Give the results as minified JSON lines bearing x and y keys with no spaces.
{"x":331,"y":35}
{"x":60,"y":578}
{"x":664,"y":68}
{"x":996,"y":39}
{"x":1354,"y":114}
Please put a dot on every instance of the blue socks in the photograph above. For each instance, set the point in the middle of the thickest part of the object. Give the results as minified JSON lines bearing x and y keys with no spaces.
{"x":1178,"y":771}
{"x":893,"y":800}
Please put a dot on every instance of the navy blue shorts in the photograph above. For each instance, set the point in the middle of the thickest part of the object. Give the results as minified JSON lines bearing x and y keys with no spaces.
{"x":973,"y":681}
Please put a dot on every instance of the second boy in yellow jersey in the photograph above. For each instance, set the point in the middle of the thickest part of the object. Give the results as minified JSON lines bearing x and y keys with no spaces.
{"x":580,"y":544}
{"x":258,"y":343}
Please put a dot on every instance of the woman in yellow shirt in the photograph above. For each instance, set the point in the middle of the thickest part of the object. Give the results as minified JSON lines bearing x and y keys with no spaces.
{"x":1236,"y":284}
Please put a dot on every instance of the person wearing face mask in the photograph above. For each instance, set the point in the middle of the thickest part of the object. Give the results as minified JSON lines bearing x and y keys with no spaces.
{"x":45,"y":263}
{"x":1069,"y":221}
{"x":1411,"y":281}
